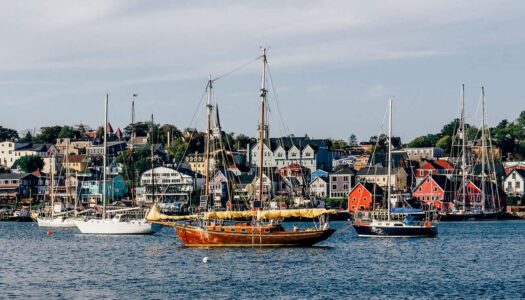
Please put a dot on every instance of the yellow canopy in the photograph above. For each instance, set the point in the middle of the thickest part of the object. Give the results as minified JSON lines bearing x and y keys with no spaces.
{"x":269,"y":214}
{"x":229,"y":214}
{"x":297,"y":213}
{"x":155,"y":215}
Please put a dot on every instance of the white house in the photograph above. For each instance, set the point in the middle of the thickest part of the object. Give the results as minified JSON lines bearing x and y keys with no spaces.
{"x":281,"y":152}
{"x":424,"y":153}
{"x":379,"y":175}
{"x":514,"y":183}
{"x":10,"y":152}
{"x":319,"y":187}
{"x":171,"y":185}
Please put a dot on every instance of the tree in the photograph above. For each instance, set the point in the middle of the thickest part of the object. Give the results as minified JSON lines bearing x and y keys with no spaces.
{"x":28,"y":137}
{"x":177,"y":150}
{"x":7,"y":134}
{"x":445,"y":143}
{"x":67,"y":132}
{"x":241,"y":141}
{"x":521,"y":119}
{"x":428,"y":140}
{"x":48,"y":134}
{"x":30,"y":163}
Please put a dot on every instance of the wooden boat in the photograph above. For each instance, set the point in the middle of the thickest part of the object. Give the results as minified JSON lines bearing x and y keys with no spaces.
{"x":259,"y":227}
{"x":218,"y":229}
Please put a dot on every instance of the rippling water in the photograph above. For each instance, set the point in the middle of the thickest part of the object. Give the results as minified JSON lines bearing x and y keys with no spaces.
{"x":467,"y":260}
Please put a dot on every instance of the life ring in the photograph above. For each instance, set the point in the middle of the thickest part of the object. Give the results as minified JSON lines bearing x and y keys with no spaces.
{"x":427,"y":223}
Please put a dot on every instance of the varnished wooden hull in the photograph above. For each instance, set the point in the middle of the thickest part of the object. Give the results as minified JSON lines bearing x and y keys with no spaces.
{"x":199,"y":237}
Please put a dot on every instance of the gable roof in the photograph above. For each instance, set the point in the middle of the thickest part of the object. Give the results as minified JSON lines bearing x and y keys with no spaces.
{"x":343,"y":170}
{"x":521,"y":173}
{"x":370,"y":187}
{"x":375,"y":170}
{"x":300,"y":142}
{"x":14,"y":176}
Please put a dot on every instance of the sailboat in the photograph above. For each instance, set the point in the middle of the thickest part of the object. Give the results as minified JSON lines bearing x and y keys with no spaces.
{"x":394,"y":222}
{"x":250,"y":228}
{"x":487,"y":182}
{"x":61,"y":219}
{"x":121,"y":223}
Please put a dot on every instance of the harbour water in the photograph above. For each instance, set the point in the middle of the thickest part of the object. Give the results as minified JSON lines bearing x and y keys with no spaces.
{"x":474,"y":260}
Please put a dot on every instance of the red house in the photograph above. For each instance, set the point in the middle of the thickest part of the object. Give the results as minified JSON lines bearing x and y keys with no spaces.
{"x":362,"y":195}
{"x":434,"y":167}
{"x":437,"y":190}
{"x":473,"y":195}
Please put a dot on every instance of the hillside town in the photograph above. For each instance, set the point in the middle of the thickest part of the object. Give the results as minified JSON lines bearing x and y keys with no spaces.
{"x":162,"y":164}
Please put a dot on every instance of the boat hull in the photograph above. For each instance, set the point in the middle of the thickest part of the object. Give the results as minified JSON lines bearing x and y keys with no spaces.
{"x":369,"y":230}
{"x":56,"y":222}
{"x":110,"y":227}
{"x":195,"y":236}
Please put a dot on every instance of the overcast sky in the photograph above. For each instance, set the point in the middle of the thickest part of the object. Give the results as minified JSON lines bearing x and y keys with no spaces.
{"x":334,"y":63}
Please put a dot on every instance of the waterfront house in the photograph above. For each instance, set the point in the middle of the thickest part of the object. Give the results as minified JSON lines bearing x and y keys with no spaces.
{"x":16,"y":188}
{"x":319,"y":187}
{"x":89,"y":185}
{"x":437,"y":190}
{"x":279,"y":152}
{"x":196,"y":162}
{"x":341,"y":181}
{"x":363,"y":195}
{"x":171,"y":185}
{"x":514,"y":183}
{"x":318,"y":173}
{"x":434,"y":167}
{"x":379,"y":174}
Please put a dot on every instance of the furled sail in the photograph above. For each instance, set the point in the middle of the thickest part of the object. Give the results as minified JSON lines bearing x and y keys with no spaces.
{"x":297,"y":213}
{"x":155,"y":215}
{"x":269,"y":214}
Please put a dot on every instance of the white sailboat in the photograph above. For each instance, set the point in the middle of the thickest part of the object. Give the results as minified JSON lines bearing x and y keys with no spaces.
{"x":56,"y":220}
{"x":120,"y":224}
{"x":394,"y":222}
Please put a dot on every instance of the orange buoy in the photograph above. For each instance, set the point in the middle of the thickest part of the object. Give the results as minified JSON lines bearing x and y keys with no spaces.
{"x":49,"y":232}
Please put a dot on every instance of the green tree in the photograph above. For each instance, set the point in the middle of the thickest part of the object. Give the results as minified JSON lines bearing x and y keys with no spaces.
{"x":7,"y":134}
{"x":521,"y":119}
{"x":30,"y":163}
{"x":67,"y":132}
{"x":177,"y":150}
{"x":48,"y":134}
{"x":28,"y":137}
{"x":445,"y":142}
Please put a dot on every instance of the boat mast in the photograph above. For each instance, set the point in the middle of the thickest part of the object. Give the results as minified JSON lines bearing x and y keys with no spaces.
{"x":209,"y":108}
{"x":389,"y":159}
{"x":104,"y":159}
{"x":132,"y":142}
{"x":152,"y":162}
{"x":483,"y":149}
{"x":463,"y":148}
{"x":262,"y":129}
{"x":52,"y":187}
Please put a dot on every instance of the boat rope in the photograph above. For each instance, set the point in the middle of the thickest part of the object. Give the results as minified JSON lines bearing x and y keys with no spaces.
{"x":236,"y":69}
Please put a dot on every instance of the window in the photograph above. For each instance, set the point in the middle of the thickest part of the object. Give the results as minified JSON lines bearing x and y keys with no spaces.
{"x":435,"y":189}
{"x":420,"y":189}
{"x":517,"y":184}
{"x":364,"y":199}
{"x":334,"y":186}
{"x":345,"y":178}
{"x":421,"y":173}
{"x":345,"y":186}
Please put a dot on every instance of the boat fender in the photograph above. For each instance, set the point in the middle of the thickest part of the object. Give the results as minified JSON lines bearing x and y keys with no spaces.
{"x":427,"y":223}
{"x":205,"y":259}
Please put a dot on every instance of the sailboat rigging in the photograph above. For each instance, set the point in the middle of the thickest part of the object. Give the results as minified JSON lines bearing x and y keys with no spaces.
{"x":259,"y":227}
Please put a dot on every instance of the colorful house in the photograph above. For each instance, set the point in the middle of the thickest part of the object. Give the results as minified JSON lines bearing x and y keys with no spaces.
{"x":363,"y":195}
{"x":436,"y":190}
{"x":434,"y":167}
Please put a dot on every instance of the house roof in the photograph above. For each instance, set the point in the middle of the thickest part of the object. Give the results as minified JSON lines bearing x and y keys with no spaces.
{"x":398,"y":157}
{"x":438,"y":164}
{"x":13,"y":176}
{"x":371,"y":187}
{"x":299,"y":142}
{"x":375,"y":170}
{"x":343,"y":170}
{"x":32,"y":147}
{"x":520,"y":172}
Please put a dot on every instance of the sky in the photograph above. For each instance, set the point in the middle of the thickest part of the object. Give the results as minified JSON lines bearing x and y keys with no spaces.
{"x":333,"y":64}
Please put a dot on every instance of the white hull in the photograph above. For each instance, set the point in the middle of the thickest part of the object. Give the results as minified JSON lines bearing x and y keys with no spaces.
{"x":58,"y":222}
{"x":115,"y":227}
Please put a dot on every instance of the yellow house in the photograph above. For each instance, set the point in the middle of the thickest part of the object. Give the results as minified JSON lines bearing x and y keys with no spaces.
{"x":74,"y":162}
